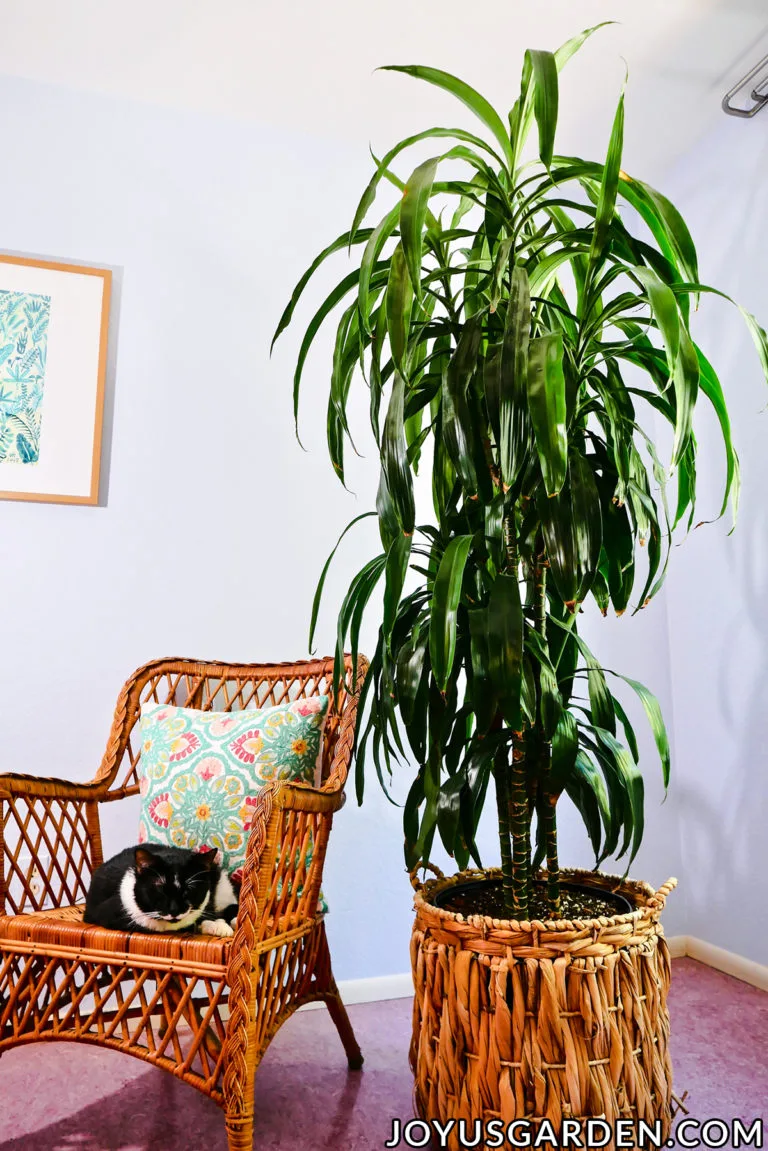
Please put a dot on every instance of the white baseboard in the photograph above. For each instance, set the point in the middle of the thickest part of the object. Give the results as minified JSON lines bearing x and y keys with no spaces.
{"x":376,"y":988}
{"x":678,"y":946}
{"x":372,"y":990}
{"x":726,"y":961}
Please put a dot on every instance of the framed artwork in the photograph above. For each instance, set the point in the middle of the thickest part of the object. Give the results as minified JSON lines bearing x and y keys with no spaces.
{"x":53,"y":358}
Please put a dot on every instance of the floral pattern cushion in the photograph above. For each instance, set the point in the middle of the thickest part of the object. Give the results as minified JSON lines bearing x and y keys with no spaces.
{"x":201,"y":771}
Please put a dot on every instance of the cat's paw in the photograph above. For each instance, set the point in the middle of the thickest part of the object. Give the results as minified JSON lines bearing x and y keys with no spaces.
{"x":216,"y":927}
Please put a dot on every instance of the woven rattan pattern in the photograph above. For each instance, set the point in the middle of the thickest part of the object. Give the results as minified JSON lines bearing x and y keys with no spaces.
{"x":201,"y":1007}
{"x":541,"y":1020}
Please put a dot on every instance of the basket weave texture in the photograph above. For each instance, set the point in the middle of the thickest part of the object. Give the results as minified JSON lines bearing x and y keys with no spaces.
{"x":533,"y":1020}
{"x":201,"y":1007}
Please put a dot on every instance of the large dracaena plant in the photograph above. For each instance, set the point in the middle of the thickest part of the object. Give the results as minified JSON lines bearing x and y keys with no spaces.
{"x":525,"y":343}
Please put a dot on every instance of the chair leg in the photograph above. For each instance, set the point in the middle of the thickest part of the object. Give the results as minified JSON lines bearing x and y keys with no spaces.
{"x":334,"y":1002}
{"x":240,"y":1133}
{"x":338,"y":1013}
{"x":240,"y":1062}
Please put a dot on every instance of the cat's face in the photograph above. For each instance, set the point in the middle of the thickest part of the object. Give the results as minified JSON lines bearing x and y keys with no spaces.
{"x":170,"y":892}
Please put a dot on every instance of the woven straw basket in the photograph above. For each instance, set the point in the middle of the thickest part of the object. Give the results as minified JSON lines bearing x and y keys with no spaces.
{"x":539,"y":1020}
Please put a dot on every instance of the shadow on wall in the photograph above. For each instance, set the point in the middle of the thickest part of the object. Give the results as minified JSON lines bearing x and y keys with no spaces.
{"x":718,"y":587}
{"x":723,"y":795}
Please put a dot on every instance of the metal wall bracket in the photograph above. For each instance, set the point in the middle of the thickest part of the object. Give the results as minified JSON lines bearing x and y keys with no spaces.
{"x":758,"y":95}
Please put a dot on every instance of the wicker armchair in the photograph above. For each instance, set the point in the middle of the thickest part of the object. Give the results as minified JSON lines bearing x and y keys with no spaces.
{"x":201,"y":1007}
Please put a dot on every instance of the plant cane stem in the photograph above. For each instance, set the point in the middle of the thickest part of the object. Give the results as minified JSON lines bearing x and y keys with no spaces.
{"x":546,"y":812}
{"x":553,"y":867}
{"x":520,"y":824}
{"x":519,"y":820}
{"x":500,"y":773}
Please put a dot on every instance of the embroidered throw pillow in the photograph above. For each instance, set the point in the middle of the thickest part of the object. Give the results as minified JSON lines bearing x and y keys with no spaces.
{"x":201,"y":771}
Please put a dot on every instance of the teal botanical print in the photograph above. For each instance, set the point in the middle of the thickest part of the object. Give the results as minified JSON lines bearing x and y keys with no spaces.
{"x":201,"y":772}
{"x":23,"y":351}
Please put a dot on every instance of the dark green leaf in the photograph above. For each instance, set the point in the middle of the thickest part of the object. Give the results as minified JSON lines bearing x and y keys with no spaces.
{"x":587,"y":790}
{"x":546,"y":403}
{"x":456,"y":419}
{"x":619,"y":760}
{"x":396,"y":502}
{"x":656,"y":722}
{"x":445,"y":602}
{"x":629,"y":731}
{"x":513,"y":378}
{"x":545,"y":100}
{"x":412,"y":691}
{"x":587,"y":521}
{"x":339,"y":292}
{"x":397,"y":565}
{"x":324,"y":573}
{"x":565,"y":746}
{"x":352,"y":609}
{"x":550,"y":699}
{"x":480,"y":684}
{"x":505,"y":646}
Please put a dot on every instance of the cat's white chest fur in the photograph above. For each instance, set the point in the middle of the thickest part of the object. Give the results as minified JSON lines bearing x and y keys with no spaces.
{"x":154,"y":922}
{"x":224,"y":897}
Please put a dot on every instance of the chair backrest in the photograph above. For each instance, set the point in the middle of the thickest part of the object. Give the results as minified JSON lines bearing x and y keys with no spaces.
{"x":50,"y":843}
{"x":213,"y":687}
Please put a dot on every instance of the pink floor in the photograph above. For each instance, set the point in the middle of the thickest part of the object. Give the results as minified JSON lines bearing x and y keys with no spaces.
{"x":66,"y":1097}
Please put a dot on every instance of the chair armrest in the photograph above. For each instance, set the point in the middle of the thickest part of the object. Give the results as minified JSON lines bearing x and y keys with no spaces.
{"x":49,"y":841}
{"x":284,"y":862}
{"x":42,"y":787}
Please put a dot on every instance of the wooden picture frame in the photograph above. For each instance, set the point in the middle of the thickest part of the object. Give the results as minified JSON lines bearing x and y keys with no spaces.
{"x":54,"y":321}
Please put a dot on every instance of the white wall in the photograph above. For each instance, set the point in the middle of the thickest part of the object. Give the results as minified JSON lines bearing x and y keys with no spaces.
{"x":718,"y":590}
{"x":216,"y":524}
{"x":207,"y":152}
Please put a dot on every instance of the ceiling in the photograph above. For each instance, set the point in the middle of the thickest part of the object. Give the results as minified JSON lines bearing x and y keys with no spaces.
{"x":308,"y":66}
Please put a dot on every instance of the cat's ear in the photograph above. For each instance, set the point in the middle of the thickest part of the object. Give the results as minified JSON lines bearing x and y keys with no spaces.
{"x":144,"y":859}
{"x":206,"y":858}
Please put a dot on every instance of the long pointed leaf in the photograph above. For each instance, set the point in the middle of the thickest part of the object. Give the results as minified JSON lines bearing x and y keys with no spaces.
{"x":398,"y":557}
{"x":445,"y":603}
{"x":413,"y":213}
{"x":513,"y":408}
{"x":484,"y":111}
{"x":396,"y":501}
{"x":346,"y":240}
{"x":545,"y":100}
{"x":656,"y":722}
{"x":505,"y":646}
{"x":321,"y":582}
{"x":371,"y":253}
{"x":609,"y":186}
{"x":546,"y":402}
{"x":399,"y":303}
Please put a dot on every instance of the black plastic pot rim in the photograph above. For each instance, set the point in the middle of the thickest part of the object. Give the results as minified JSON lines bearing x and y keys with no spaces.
{"x":441,"y":897}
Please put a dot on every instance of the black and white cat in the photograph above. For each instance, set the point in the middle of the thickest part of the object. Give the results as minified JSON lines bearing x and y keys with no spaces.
{"x":156,"y":888}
